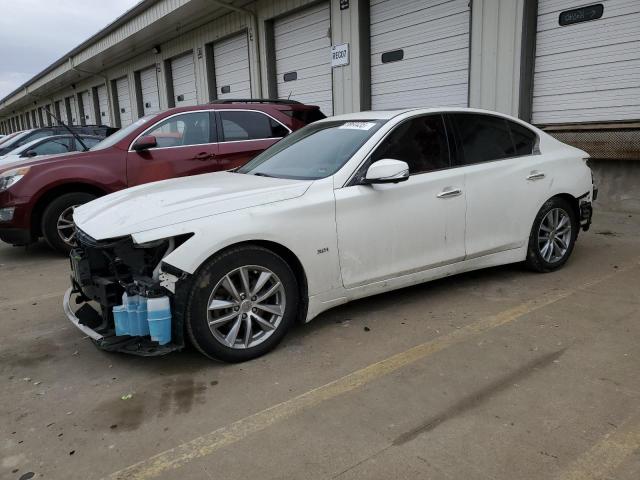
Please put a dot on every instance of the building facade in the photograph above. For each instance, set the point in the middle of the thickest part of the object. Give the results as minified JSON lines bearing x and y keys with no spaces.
{"x":571,"y":67}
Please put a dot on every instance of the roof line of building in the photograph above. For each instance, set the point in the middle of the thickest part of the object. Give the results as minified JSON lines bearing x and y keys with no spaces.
{"x":122,"y":19}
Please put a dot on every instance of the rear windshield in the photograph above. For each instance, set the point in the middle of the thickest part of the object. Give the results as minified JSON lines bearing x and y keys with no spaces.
{"x":306,"y":116}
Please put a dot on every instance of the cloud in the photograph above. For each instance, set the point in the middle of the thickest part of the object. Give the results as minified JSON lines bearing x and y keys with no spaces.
{"x":36,"y":33}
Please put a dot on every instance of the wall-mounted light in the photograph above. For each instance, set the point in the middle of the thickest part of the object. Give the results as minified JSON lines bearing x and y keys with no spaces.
{"x":156,"y":49}
{"x":73,"y":85}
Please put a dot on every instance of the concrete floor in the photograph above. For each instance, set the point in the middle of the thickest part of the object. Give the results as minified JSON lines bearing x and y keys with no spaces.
{"x":498,"y":374}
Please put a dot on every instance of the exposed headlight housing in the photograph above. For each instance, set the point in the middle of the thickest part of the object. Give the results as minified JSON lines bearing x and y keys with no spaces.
{"x":6,"y":214}
{"x":11,"y":177}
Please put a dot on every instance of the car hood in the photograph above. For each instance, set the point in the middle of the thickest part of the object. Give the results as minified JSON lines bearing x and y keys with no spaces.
{"x":169,"y":202}
{"x":10,"y":161}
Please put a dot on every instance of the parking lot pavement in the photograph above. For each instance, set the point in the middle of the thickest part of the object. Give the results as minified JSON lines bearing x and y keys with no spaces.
{"x":496,"y":374}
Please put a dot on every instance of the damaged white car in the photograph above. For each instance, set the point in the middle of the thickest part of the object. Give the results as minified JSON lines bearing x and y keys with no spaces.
{"x":347,"y":207}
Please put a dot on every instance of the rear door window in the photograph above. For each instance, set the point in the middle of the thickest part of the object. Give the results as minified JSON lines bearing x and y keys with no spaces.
{"x":482,"y":138}
{"x":238,"y":125}
{"x":524,"y":140}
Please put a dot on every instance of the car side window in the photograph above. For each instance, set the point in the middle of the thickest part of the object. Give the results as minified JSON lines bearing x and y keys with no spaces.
{"x":524,"y":140}
{"x":421,"y":142}
{"x":182,"y":130}
{"x":53,"y":146}
{"x":244,"y":125}
{"x":34,"y":136}
{"x":89,"y":142}
{"x":483,"y":138}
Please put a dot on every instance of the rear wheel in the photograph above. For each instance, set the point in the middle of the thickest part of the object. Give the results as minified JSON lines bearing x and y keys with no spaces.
{"x":242,"y":304}
{"x":57,"y":220}
{"x":553,"y":236}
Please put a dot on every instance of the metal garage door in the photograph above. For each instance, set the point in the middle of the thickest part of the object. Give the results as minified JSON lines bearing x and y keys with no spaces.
{"x":61,"y":111}
{"x":231,"y":65}
{"x":47,"y":119}
{"x":587,"y":71}
{"x":124,"y":101}
{"x":149,"y":90}
{"x":103,"y":106}
{"x":74,"y":120}
{"x":303,"y":57}
{"x":183,"y":74}
{"x":87,"y":108}
{"x":419,"y":53}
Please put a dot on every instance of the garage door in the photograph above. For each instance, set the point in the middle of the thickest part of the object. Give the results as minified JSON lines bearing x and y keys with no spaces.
{"x":419,"y":53}
{"x":87,"y":108}
{"x":149,"y":90}
{"x":303,"y":57}
{"x":74,"y":120}
{"x":183,"y":74}
{"x":124,"y":101}
{"x":231,"y":65}
{"x":103,"y":106}
{"x":587,"y":71}
{"x":48,"y":120}
{"x":61,"y":111}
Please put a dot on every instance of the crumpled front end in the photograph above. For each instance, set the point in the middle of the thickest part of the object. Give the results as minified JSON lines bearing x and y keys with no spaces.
{"x":122,"y":299}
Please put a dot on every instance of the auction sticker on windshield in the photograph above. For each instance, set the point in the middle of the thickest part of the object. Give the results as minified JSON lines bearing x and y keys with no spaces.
{"x":358,"y":125}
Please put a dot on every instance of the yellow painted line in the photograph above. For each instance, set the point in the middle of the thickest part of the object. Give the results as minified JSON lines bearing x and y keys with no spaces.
{"x":601,"y":460}
{"x":206,"y":444}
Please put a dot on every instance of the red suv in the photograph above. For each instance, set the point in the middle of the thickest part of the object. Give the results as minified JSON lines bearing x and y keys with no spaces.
{"x":37,"y":197}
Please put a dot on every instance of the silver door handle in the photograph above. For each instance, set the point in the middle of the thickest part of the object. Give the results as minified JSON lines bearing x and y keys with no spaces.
{"x":450,"y":192}
{"x":536,"y":175}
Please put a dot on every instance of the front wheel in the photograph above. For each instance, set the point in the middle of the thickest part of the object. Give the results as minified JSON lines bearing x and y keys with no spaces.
{"x":553,"y":236}
{"x":241,"y":304}
{"x":57,"y":226}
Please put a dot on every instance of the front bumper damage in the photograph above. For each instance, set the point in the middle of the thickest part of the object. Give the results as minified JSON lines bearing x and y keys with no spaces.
{"x":101,"y":273}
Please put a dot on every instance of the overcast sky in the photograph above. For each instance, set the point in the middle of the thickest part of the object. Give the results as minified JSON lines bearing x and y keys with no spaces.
{"x":36,"y":33}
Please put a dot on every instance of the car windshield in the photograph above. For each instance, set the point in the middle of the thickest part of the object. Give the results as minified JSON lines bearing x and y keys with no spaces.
{"x":114,"y":138}
{"x":313,"y":152}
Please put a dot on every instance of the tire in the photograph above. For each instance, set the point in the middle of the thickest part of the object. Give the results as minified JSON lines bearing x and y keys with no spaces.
{"x":59,"y":207}
{"x":550,"y":243}
{"x":212,"y":299}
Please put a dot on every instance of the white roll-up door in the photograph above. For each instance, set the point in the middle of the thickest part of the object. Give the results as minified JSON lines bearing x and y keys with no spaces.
{"x":103,"y":106}
{"x":419,"y":53}
{"x":587,"y":71}
{"x":231,"y":65}
{"x":87,"y":108}
{"x":124,"y":101}
{"x":75,"y":118}
{"x":46,"y":118}
{"x":303,"y":57}
{"x":61,"y":111}
{"x":149,"y":90}
{"x":183,"y":75}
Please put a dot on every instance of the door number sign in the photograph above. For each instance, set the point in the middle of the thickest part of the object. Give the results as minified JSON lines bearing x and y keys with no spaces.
{"x":340,"y":55}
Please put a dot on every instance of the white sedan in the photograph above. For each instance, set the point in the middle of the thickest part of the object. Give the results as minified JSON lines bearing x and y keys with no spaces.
{"x":347,"y":207}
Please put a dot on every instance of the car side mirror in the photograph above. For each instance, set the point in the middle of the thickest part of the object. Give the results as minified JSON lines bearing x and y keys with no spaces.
{"x":30,"y":153}
{"x":387,"y":171}
{"x":145,"y":143}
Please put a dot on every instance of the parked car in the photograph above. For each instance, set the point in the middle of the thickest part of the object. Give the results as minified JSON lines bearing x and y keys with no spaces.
{"x":55,"y":145}
{"x":37,"y":197}
{"x":27,"y":136}
{"x":346,"y":207}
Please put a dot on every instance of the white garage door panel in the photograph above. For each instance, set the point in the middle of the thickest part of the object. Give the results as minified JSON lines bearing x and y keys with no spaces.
{"x":587,"y":71}
{"x":62,"y":111}
{"x":124,"y":101}
{"x":303,"y":46}
{"x":103,"y":105}
{"x":149,"y":89}
{"x":75,"y":118}
{"x":231,"y":64}
{"x":184,"y":80}
{"x":87,"y":107}
{"x":434,"y":38}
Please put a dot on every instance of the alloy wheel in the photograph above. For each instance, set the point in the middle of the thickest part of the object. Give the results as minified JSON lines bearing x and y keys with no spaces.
{"x":554,"y":235}
{"x":66,"y":227}
{"x":246,"y":307}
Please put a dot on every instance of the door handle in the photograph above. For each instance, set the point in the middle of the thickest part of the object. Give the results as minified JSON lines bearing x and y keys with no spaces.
{"x":535,"y":175}
{"x":450,"y":192}
{"x":203,"y":156}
